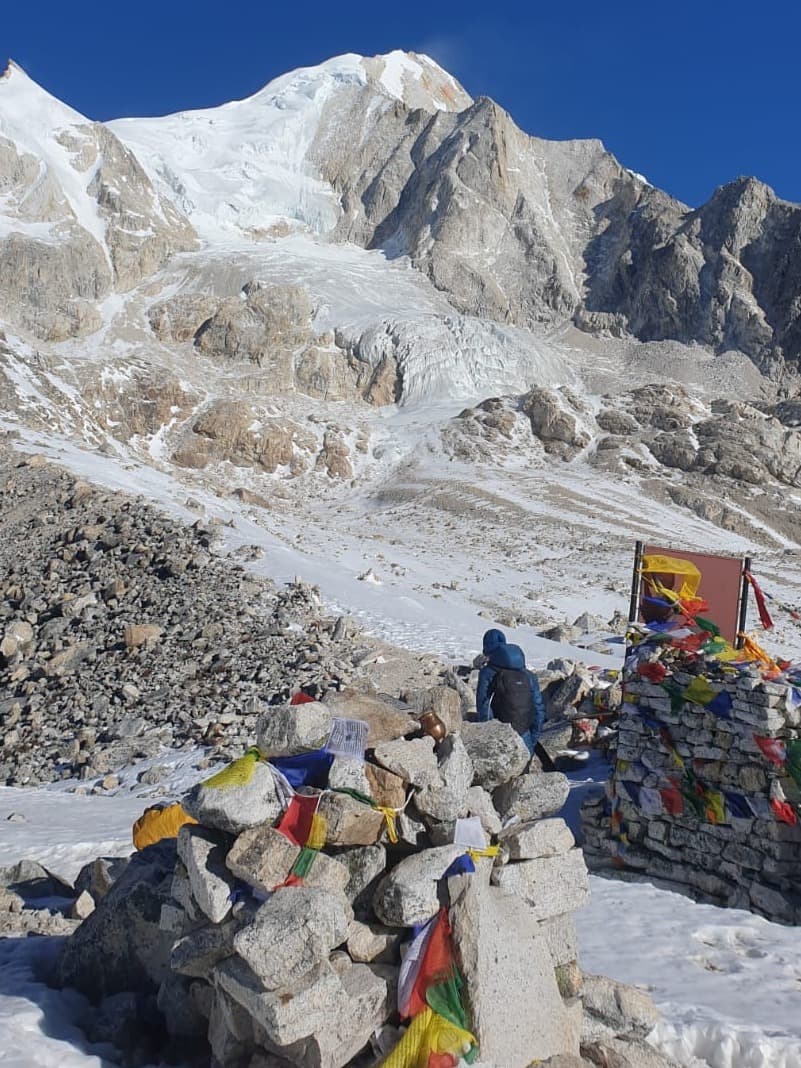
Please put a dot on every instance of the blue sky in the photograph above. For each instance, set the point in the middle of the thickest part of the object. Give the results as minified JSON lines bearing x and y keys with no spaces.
{"x":690,"y":94}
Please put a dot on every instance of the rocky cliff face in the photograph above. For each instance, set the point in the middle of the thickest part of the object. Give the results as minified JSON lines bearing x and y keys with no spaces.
{"x":510,"y":227}
{"x":78,"y":217}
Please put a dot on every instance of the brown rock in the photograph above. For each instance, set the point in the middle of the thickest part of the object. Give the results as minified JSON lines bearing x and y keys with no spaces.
{"x":137,"y":634}
{"x":385,"y":723}
{"x":350,"y":823}
{"x":386,"y":788}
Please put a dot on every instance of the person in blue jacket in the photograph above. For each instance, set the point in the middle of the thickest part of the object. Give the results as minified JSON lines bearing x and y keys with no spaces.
{"x":492,"y":639}
{"x":507,"y":691}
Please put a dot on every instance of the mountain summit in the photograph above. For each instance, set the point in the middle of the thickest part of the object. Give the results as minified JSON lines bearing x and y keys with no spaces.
{"x":391,"y":154}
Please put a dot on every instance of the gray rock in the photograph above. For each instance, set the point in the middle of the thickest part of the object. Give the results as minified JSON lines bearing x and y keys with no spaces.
{"x":285,"y":1015}
{"x":368,"y":993}
{"x":262,"y":857}
{"x":365,"y":867}
{"x":235,"y":808}
{"x":550,"y":885}
{"x":346,"y":774}
{"x":447,"y":799}
{"x":497,"y":752}
{"x":624,"y":1053}
{"x":567,"y":695}
{"x":562,"y":938}
{"x":543,"y":838}
{"x":203,"y":854}
{"x":532,"y":796}
{"x":507,"y":966}
{"x":409,"y":893}
{"x":373,"y":943}
{"x":196,"y":953}
{"x":178,"y":1004}
{"x":413,"y":760}
{"x":120,"y":945}
{"x":291,"y":933}
{"x":230,"y":1032}
{"x":616,"y":1009}
{"x":99,"y":875}
{"x":285,"y":730}
{"x":82,"y":906}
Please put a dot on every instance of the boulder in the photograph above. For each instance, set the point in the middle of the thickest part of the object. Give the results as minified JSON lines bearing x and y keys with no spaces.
{"x":384,"y":722}
{"x":203,"y":854}
{"x":350,"y":822}
{"x":99,"y":875}
{"x":262,"y":857}
{"x":413,"y":760}
{"x":385,"y":788}
{"x":409,"y":893}
{"x":562,"y":938}
{"x":373,"y":943}
{"x":346,"y":773}
{"x":624,"y":1053}
{"x":615,"y":1009}
{"x":120,"y":945}
{"x":292,"y":932}
{"x":178,"y":1004}
{"x":230,"y":1030}
{"x":567,"y":695}
{"x":235,"y":808}
{"x":447,"y":798}
{"x":550,"y":885}
{"x":365,"y":866}
{"x":532,"y":796}
{"x":543,"y":838}
{"x":444,"y":701}
{"x":497,"y":752}
{"x":82,"y":906}
{"x":287,"y":1015}
{"x":197,"y":952}
{"x":367,"y":996}
{"x":285,"y":730}
{"x":507,"y":969}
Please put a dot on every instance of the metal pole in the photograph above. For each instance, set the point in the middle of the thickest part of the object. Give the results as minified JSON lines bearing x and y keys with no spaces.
{"x":743,"y":602}
{"x":634,"y":606}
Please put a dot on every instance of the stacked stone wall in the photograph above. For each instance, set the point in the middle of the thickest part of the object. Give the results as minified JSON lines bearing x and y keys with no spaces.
{"x":695,"y":800}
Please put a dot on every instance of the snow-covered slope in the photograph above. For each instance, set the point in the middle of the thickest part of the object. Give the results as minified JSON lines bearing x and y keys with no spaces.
{"x":246,"y":166}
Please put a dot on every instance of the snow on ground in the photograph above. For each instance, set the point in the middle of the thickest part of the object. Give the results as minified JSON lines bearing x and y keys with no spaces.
{"x":40,"y":1026}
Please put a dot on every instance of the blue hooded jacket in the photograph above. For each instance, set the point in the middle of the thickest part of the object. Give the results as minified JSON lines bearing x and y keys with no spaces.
{"x":508,"y":656}
{"x":491,"y":640}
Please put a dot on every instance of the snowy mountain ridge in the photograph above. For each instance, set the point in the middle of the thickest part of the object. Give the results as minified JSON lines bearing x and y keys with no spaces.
{"x":390,"y":314}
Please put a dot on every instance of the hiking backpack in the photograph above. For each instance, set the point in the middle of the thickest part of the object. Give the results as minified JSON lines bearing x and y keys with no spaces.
{"x":511,"y":698}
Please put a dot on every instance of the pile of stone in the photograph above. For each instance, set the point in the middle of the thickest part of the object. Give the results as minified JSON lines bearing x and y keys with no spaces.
{"x":581,"y":704}
{"x":268,"y":971}
{"x":122,"y":631}
{"x":739,"y":842}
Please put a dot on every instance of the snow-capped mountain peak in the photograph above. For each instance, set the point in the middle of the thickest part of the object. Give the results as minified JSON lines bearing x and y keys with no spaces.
{"x":248,"y":165}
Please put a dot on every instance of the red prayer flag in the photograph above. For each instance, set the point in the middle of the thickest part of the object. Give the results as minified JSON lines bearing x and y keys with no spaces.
{"x":672,"y":799}
{"x":301,"y":698}
{"x":773,"y":749}
{"x":654,"y":672}
{"x":784,"y":811}
{"x":297,"y":820}
{"x":436,"y":966}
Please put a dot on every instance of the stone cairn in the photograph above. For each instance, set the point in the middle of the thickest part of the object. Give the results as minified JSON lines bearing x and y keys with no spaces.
{"x":705,"y":786}
{"x":273,"y":952}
